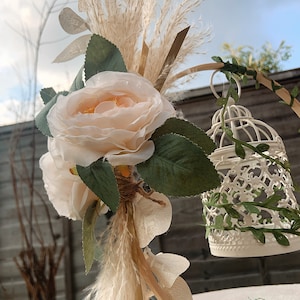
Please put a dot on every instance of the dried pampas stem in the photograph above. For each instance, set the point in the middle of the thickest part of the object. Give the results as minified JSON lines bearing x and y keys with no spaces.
{"x":124,"y":270}
{"x":145,"y":271}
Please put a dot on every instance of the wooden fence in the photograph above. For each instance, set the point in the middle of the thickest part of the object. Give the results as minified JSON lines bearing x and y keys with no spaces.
{"x":186,"y":235}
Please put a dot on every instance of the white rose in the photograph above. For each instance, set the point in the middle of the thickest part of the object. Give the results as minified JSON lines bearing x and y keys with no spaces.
{"x":66,"y":191}
{"x":113,"y":117}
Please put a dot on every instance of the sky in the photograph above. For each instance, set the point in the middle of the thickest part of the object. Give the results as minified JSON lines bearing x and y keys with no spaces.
{"x":236,"y":22}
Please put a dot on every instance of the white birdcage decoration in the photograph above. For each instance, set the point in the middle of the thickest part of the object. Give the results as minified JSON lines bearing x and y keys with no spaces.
{"x":254,"y":209}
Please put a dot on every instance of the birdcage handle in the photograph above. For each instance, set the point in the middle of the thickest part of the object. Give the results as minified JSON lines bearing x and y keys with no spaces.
{"x":211,"y":84}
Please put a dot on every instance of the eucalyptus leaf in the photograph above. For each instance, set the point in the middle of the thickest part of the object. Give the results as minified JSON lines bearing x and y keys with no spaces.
{"x":187,"y":130}
{"x":102,"y":55}
{"x":178,"y":167}
{"x":100,"y":178}
{"x":71,"y":22}
{"x":47,"y":94}
{"x":88,"y":235}
{"x":41,"y":119}
{"x":281,"y":238}
{"x":74,"y":49}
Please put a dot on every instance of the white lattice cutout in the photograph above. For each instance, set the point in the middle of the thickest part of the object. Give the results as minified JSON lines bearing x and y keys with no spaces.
{"x":252,"y":179}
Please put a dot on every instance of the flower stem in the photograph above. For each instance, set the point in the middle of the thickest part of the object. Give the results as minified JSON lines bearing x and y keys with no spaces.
{"x":144,"y":268}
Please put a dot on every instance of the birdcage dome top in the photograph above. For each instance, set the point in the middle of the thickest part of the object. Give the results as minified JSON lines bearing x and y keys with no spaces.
{"x":243,"y":126}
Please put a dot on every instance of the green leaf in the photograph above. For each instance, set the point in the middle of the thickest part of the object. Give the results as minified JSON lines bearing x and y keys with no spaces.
{"x":234,"y":94}
{"x":102,"y":55}
{"x":221,"y":101}
{"x":258,"y":234}
{"x":78,"y":82}
{"x":244,"y":79}
{"x":234,"y":61}
{"x":281,"y":238}
{"x":224,"y":198}
{"x":233,"y":213}
{"x":187,"y":130}
{"x":214,"y":198}
{"x":88,"y":235}
{"x":41,"y":119}
{"x":296,"y":225}
{"x":262,"y":147}
{"x":239,"y":150}
{"x":47,"y":94}
{"x":228,"y":220}
{"x":295,"y":92}
{"x":219,"y":222}
{"x":252,"y":73}
{"x":251,"y":208}
{"x":178,"y":167}
{"x":217,"y":59}
{"x":288,"y":213}
{"x":272,"y":201}
{"x":100,"y":178}
{"x":228,"y":131}
{"x":207,"y":232}
{"x":275,"y":86}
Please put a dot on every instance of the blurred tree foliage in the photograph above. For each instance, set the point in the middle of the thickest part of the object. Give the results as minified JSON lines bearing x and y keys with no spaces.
{"x":266,"y":60}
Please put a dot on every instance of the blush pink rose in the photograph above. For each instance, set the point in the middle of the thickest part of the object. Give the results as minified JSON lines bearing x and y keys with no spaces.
{"x":66,"y":191}
{"x":112,"y":117}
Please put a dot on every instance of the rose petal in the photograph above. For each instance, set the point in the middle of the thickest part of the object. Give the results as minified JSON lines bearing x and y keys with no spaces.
{"x":151,"y":218}
{"x":66,"y":191}
{"x":132,"y":157}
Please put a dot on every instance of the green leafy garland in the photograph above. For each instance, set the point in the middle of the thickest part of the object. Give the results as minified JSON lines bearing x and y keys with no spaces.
{"x":224,"y":222}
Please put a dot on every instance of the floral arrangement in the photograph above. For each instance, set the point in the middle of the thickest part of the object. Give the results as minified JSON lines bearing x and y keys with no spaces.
{"x":117,"y":144}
